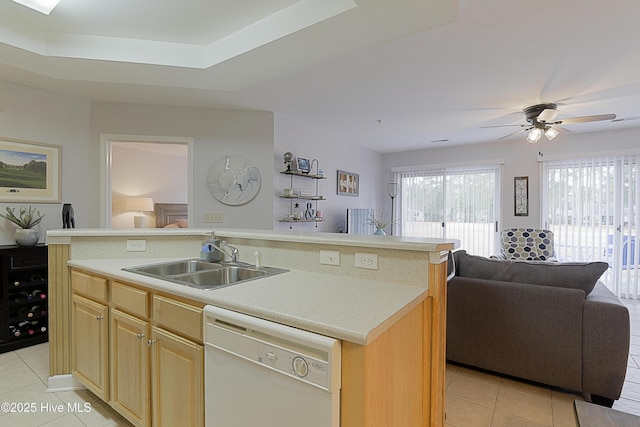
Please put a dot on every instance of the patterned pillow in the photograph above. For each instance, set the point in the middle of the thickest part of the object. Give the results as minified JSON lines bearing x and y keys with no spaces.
{"x":528,"y":244}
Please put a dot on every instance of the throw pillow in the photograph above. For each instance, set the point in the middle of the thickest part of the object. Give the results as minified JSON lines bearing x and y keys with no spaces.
{"x":576,"y":275}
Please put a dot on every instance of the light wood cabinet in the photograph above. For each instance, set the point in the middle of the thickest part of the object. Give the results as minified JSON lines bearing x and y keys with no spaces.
{"x":177,"y":380}
{"x":130,"y":367}
{"x":139,"y":351}
{"x":89,"y":345}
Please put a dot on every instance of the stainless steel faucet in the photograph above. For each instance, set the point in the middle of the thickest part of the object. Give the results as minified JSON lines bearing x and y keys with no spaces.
{"x":230,"y":251}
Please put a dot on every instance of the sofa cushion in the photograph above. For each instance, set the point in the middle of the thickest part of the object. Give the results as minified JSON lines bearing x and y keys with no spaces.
{"x":577,"y":275}
{"x":527,"y":244}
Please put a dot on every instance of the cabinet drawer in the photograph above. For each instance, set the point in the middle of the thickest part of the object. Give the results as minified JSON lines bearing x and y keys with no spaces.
{"x":132,"y":300}
{"x":90,"y":286}
{"x":177,"y":316}
{"x":28,"y":261}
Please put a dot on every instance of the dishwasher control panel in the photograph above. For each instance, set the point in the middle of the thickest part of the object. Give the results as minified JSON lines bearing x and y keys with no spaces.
{"x":303,"y":367}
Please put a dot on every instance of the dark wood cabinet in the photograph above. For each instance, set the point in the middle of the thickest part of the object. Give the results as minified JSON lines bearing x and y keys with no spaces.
{"x":24,"y":300}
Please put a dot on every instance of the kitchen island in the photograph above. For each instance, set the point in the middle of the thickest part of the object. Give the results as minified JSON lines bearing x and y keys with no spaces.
{"x":390,"y":319}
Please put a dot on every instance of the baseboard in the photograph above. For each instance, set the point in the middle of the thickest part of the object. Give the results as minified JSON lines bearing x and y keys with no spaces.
{"x":64,"y":382}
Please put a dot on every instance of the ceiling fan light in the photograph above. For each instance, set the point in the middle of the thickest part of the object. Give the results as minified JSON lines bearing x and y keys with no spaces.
{"x":551,"y":133}
{"x":534,"y":136}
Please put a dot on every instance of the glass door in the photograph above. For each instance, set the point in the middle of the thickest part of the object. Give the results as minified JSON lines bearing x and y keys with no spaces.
{"x":458,"y":203}
{"x":591,"y":205}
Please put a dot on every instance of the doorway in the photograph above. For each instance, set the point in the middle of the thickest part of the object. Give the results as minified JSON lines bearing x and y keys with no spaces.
{"x":156,"y":169}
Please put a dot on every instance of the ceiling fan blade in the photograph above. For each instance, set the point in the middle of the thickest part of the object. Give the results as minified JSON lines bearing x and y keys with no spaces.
{"x":625,"y":119}
{"x":502,"y":126}
{"x":513,"y":133}
{"x":547,"y":115}
{"x":585,"y":119}
{"x":562,"y":129}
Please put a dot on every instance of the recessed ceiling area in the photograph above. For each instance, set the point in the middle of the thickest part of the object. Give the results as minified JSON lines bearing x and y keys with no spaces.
{"x":430,"y":70}
{"x":191,"y":34}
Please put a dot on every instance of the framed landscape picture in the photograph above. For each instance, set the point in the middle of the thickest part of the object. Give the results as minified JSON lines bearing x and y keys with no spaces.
{"x":29,"y":172}
{"x":348,"y":183}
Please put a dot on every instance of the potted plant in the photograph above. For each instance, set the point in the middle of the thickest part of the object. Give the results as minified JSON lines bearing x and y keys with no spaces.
{"x":379,"y":223}
{"x":26,"y":219}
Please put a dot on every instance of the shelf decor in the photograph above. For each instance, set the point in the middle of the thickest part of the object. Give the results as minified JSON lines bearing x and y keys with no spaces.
{"x":29,"y":172}
{"x":26,"y":235}
{"x":295,"y":214}
{"x":348,"y":184}
{"x":521,"y":195}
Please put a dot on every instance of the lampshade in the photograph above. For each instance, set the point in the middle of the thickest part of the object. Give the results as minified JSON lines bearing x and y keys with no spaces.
{"x":534,"y":135}
{"x":138,"y":204}
{"x":551,"y":133}
{"x":392,"y":189}
{"x":42,"y":6}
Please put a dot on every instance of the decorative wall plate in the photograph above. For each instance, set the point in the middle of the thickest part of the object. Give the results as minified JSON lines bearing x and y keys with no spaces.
{"x":233,"y":180}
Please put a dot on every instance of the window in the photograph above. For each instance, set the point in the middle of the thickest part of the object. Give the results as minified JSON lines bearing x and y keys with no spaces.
{"x":592,"y":205}
{"x":460,"y":203}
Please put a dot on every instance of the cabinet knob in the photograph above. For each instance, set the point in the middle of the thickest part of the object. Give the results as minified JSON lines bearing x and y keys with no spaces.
{"x":99,"y":317}
{"x":150,"y":342}
{"x":140,"y":336}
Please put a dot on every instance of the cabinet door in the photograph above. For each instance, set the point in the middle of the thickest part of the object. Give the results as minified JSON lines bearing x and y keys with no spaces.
{"x":89,"y":345}
{"x":177,"y":378}
{"x":130,"y":367}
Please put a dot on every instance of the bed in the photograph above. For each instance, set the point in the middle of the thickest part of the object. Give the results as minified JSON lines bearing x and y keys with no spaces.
{"x":171,"y":215}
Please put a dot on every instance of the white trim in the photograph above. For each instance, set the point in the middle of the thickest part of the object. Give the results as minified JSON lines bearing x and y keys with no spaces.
{"x":64,"y":382}
{"x":589,"y":154}
{"x":448,"y":165}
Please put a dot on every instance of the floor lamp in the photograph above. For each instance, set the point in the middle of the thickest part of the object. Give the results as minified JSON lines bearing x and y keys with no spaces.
{"x":392,"y":191}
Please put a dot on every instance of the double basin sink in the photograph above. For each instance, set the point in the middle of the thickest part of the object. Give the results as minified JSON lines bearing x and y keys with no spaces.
{"x":205,"y":275}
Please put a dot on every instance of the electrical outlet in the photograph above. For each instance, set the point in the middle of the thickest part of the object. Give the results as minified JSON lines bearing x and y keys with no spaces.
{"x":330,"y":257}
{"x":210,"y":217}
{"x":136,"y":245}
{"x":366,"y":260}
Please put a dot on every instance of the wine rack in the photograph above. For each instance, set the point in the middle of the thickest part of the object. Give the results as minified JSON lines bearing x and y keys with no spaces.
{"x":24,"y":315}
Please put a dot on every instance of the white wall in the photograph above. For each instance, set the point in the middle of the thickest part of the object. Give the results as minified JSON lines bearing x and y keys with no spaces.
{"x":520,"y":159}
{"x":333,"y":153}
{"x":76,"y":124}
{"x":215,"y":133}
{"x":44,"y":117}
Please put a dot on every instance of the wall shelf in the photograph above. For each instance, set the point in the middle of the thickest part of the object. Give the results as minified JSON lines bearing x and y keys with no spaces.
{"x":316,"y":197}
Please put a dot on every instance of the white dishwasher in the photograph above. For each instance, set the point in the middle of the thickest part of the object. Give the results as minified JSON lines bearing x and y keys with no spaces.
{"x":261,"y":373}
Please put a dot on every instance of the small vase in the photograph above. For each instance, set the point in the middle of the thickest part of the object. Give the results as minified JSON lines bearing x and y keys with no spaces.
{"x":26,"y":236}
{"x":379,"y":232}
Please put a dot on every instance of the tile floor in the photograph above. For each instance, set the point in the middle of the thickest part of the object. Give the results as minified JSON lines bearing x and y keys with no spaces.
{"x":478,"y":399}
{"x":23,"y":384}
{"x":474,"y":398}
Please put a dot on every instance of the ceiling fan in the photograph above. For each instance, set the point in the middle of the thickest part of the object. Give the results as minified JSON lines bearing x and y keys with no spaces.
{"x":540,"y":120}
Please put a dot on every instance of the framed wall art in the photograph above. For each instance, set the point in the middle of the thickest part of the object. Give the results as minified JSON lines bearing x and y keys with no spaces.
{"x":521,"y":195}
{"x":348,"y":184}
{"x":30,"y":172}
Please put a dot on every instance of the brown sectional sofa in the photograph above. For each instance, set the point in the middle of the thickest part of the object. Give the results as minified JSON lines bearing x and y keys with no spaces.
{"x":551,"y":323}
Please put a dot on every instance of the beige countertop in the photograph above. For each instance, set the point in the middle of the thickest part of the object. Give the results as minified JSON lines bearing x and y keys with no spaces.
{"x":350,"y":309}
{"x":421,"y":244}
